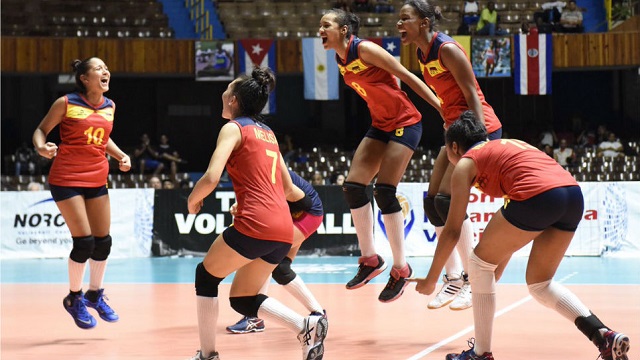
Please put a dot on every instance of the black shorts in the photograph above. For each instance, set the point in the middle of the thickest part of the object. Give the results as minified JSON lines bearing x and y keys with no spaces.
{"x":495,"y":135}
{"x":270,"y":251}
{"x":560,"y":208}
{"x":408,"y":136}
{"x":60,"y":193}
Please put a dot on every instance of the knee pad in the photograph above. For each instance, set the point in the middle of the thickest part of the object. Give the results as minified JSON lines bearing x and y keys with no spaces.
{"x":82,"y":248}
{"x":206,"y":284}
{"x":386,"y":199}
{"x":102,"y":248}
{"x":442,"y":203}
{"x":247,"y":305}
{"x":355,"y":194}
{"x":283,"y":274}
{"x":481,"y":275}
{"x":429,"y":207}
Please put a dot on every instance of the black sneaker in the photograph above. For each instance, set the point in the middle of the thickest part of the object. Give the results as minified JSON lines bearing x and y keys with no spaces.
{"x":366,"y":271}
{"x":396,"y":284}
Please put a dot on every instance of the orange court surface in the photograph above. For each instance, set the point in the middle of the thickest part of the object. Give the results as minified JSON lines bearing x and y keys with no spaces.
{"x":155,"y":299}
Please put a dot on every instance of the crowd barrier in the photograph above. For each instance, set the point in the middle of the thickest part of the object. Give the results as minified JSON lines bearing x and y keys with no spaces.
{"x":148,"y":222}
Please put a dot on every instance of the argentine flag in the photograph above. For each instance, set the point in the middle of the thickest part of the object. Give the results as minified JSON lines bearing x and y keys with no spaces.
{"x":320,"y":71}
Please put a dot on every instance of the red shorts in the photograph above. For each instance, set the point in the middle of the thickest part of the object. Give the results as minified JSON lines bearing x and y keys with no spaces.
{"x":307,"y":223}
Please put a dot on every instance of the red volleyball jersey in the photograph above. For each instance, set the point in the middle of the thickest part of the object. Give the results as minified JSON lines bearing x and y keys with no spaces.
{"x":84,"y":133}
{"x":515,"y":170}
{"x":254,"y":168}
{"x":440,"y":79}
{"x":390,"y":107}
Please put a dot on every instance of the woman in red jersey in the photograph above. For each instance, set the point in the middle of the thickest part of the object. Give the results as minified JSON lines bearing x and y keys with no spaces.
{"x":386,"y":148}
{"x":447,"y":70}
{"x":543,"y":202}
{"x":78,"y":179}
{"x":262,"y":231}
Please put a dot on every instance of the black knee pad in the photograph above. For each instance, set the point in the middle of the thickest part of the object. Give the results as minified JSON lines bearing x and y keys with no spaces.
{"x":355,"y":194}
{"x":429,"y":206}
{"x":283,"y":274}
{"x":442,"y":203}
{"x":386,"y":199}
{"x":82,"y":248}
{"x":247,"y":305}
{"x":102,"y":248}
{"x":206,"y":284}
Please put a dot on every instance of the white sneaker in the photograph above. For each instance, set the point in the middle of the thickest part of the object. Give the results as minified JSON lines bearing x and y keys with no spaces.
{"x":450,"y":288}
{"x":198,"y":356}
{"x":312,"y":337}
{"x":463,"y":299}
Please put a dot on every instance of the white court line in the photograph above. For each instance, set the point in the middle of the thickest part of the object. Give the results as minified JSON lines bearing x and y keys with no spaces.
{"x":466,"y":330}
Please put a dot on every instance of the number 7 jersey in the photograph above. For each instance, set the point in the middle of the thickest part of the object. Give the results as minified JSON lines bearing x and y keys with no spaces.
{"x":84,"y":133}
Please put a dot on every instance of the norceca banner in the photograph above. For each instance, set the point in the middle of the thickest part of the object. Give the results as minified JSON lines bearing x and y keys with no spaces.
{"x":32,"y":226}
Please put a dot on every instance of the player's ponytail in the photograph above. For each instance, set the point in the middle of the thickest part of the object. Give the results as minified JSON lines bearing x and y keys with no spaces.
{"x":252,"y":92}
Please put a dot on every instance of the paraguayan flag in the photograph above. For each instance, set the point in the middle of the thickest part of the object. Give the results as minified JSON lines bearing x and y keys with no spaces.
{"x":320,"y":71}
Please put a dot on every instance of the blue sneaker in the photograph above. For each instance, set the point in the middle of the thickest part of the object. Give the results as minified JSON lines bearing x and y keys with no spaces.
{"x":78,"y":310}
{"x":470,"y":354}
{"x":615,"y":347}
{"x":247,"y":325}
{"x":104,"y":310}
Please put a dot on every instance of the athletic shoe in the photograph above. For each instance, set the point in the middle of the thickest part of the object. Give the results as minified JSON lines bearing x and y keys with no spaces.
{"x":246,"y":325}
{"x":463,"y":298}
{"x":104,"y":310}
{"x":75,"y":306}
{"x":615,"y":347}
{"x":448,"y":292}
{"x":312,"y":337}
{"x":198,"y":356}
{"x":470,"y":355}
{"x":396,"y":284}
{"x":366,"y":271}
{"x":317,"y":313}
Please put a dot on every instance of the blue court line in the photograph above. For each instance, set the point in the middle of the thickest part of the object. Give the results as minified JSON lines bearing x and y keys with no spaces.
{"x":313,"y":269}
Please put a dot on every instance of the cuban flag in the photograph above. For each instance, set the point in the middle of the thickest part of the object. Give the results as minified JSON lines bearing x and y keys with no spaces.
{"x":261,"y":53}
{"x":320,"y":71}
{"x":392,"y":45}
{"x":533,"y":64}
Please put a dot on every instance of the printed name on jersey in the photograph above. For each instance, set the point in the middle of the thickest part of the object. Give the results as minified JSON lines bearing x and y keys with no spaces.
{"x":355,"y":67}
{"x":433,"y":67}
{"x":265,"y":136}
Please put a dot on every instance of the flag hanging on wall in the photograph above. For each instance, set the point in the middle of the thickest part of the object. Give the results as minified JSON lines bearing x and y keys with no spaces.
{"x":258,"y":52}
{"x":392,"y":45}
{"x":320,"y":71}
{"x":533,"y":64}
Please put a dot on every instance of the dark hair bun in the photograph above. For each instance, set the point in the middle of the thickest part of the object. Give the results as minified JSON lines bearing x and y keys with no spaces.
{"x":264,"y":77}
{"x":75,"y":63}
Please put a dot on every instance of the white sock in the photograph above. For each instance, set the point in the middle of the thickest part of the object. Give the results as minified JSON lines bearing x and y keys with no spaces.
{"x":453,"y":266}
{"x":76,"y":275}
{"x":557,"y":297}
{"x":207,"y":322}
{"x":96,"y":273}
{"x":300,"y":291}
{"x":394,"y":224}
{"x":362,"y":218}
{"x":465,"y":243}
{"x":272,"y":309}
{"x":483,"y":286}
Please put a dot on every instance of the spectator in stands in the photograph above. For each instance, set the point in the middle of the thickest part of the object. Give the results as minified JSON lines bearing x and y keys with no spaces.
{"x":470,"y":12}
{"x":549,"y":13}
{"x":547,"y":149}
{"x":343,"y":5}
{"x":548,"y":137}
{"x":571,"y":19}
{"x":488,"y":22}
{"x":612,"y":147}
{"x":564,"y":155}
{"x":169,"y":156}
{"x":602,"y":133}
{"x":77,"y":181}
{"x":35,"y":186}
{"x":155,"y":183}
{"x":542,"y":26}
{"x":337,"y":179}
{"x":317,"y":178}
{"x":383,"y":6}
{"x":25,"y":161}
{"x":168,"y":184}
{"x":361,"y":6}
{"x":147,"y":156}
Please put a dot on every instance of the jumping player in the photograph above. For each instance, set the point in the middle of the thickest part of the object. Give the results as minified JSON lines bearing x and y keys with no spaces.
{"x":543,"y":202}
{"x":386,"y":149}
{"x":78,"y":182}
{"x":447,"y":70}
